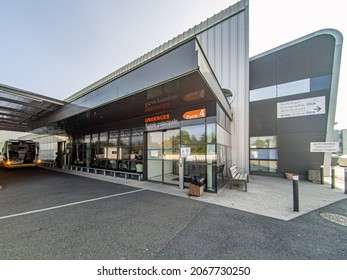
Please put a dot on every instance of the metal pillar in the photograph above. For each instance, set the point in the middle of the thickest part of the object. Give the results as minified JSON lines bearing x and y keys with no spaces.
{"x":333,"y":178}
{"x":322,"y":174}
{"x":181,"y":173}
{"x":296,"y":193}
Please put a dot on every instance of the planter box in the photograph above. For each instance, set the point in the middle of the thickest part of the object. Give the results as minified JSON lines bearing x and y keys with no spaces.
{"x":289,"y":176}
{"x":195,"y":190}
{"x":314,"y":176}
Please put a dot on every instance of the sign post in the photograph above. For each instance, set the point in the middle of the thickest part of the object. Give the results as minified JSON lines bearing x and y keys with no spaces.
{"x":333,"y":178}
{"x":181,"y":173}
{"x":296,"y":193}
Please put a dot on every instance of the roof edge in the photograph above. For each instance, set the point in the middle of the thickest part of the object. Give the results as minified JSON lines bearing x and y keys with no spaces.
{"x":328,"y":31}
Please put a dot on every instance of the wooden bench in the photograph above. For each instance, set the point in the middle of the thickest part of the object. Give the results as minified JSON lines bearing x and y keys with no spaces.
{"x":238,"y":175}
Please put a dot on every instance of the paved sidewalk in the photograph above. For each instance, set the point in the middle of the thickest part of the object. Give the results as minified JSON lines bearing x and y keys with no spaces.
{"x":267,"y":196}
{"x":273,"y":197}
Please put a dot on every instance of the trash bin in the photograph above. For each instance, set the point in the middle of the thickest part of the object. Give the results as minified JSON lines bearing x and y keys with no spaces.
{"x":196,"y":186}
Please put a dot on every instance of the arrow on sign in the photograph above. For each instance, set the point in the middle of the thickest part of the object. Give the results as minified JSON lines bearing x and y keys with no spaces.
{"x":318,"y":109}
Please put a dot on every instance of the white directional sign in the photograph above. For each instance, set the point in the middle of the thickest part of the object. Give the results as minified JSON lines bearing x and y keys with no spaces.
{"x":301,"y":107}
{"x":318,"y":147}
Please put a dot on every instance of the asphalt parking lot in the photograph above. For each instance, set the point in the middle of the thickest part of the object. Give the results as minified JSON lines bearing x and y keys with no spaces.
{"x":57,"y":216}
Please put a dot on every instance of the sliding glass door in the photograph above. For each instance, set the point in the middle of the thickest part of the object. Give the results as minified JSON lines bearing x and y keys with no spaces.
{"x":163,"y":156}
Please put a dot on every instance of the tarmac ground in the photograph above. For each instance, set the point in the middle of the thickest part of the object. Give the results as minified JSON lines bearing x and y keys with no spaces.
{"x":52,"y":215}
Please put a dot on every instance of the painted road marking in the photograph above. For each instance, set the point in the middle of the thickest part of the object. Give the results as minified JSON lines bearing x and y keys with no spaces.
{"x":69,"y":204}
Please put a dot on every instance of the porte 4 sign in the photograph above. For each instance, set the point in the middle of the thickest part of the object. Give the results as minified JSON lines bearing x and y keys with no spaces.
{"x":195,"y":114}
{"x":301,"y":107}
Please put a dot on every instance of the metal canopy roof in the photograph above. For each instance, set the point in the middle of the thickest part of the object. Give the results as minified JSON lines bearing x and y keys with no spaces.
{"x":20,"y":108}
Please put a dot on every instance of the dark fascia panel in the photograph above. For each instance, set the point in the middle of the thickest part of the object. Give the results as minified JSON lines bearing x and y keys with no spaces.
{"x":183,"y":60}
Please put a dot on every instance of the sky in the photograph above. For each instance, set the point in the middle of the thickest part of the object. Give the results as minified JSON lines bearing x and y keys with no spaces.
{"x":58,"y":47}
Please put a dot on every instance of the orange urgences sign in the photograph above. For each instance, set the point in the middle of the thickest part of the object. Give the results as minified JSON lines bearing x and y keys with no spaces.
{"x":157,"y":118}
{"x":195,"y":114}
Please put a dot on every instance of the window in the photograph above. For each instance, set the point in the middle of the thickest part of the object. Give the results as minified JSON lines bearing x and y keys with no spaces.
{"x":118,"y":149}
{"x":293,"y":88}
{"x":263,"y":93}
{"x":263,"y":154}
{"x":194,"y":138}
{"x":211,"y":133}
{"x":193,"y":134}
{"x":124,"y":137}
{"x":263,"y":166}
{"x":290,"y":88}
{"x":137,"y":144}
{"x":221,"y":116}
{"x":263,"y":142}
{"x":112,"y":147}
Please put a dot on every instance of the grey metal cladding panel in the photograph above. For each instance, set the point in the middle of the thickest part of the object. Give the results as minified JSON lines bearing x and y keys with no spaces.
{"x":263,"y":118}
{"x":301,"y":124}
{"x":263,"y":72}
{"x":294,"y":63}
{"x":226,"y":48}
{"x":323,"y":54}
{"x":310,"y":58}
{"x":221,"y":44}
{"x":294,"y":152}
{"x":298,"y":167}
{"x":297,"y":142}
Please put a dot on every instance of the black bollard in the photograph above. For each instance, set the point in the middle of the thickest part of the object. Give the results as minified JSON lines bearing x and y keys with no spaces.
{"x":296,"y":193}
{"x":333,"y":178}
{"x":322,"y":174}
{"x":345,"y":180}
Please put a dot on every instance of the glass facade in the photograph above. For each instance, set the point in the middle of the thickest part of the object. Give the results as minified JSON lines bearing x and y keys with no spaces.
{"x":263,"y":154}
{"x":156,"y":154}
{"x":115,"y":150}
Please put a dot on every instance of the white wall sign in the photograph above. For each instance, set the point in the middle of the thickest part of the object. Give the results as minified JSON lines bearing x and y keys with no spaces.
{"x":318,"y":147}
{"x":301,"y":107}
{"x":185,"y":151}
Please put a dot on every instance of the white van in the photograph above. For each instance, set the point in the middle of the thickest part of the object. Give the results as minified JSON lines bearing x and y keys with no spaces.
{"x":342,"y":161}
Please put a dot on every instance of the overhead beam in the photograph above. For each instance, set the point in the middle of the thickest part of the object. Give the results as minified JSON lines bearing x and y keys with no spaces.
{"x":24,"y":103}
{"x":30,"y":95}
{"x":14,"y":110}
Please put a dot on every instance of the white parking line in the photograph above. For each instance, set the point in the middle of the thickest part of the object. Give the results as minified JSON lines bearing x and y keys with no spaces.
{"x":69,"y":204}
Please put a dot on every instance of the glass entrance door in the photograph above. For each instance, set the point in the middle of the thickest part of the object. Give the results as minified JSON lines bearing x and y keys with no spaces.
{"x":163,"y":156}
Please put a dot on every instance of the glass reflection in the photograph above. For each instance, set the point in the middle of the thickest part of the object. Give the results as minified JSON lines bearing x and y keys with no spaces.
{"x":116,"y":150}
{"x":193,"y":134}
